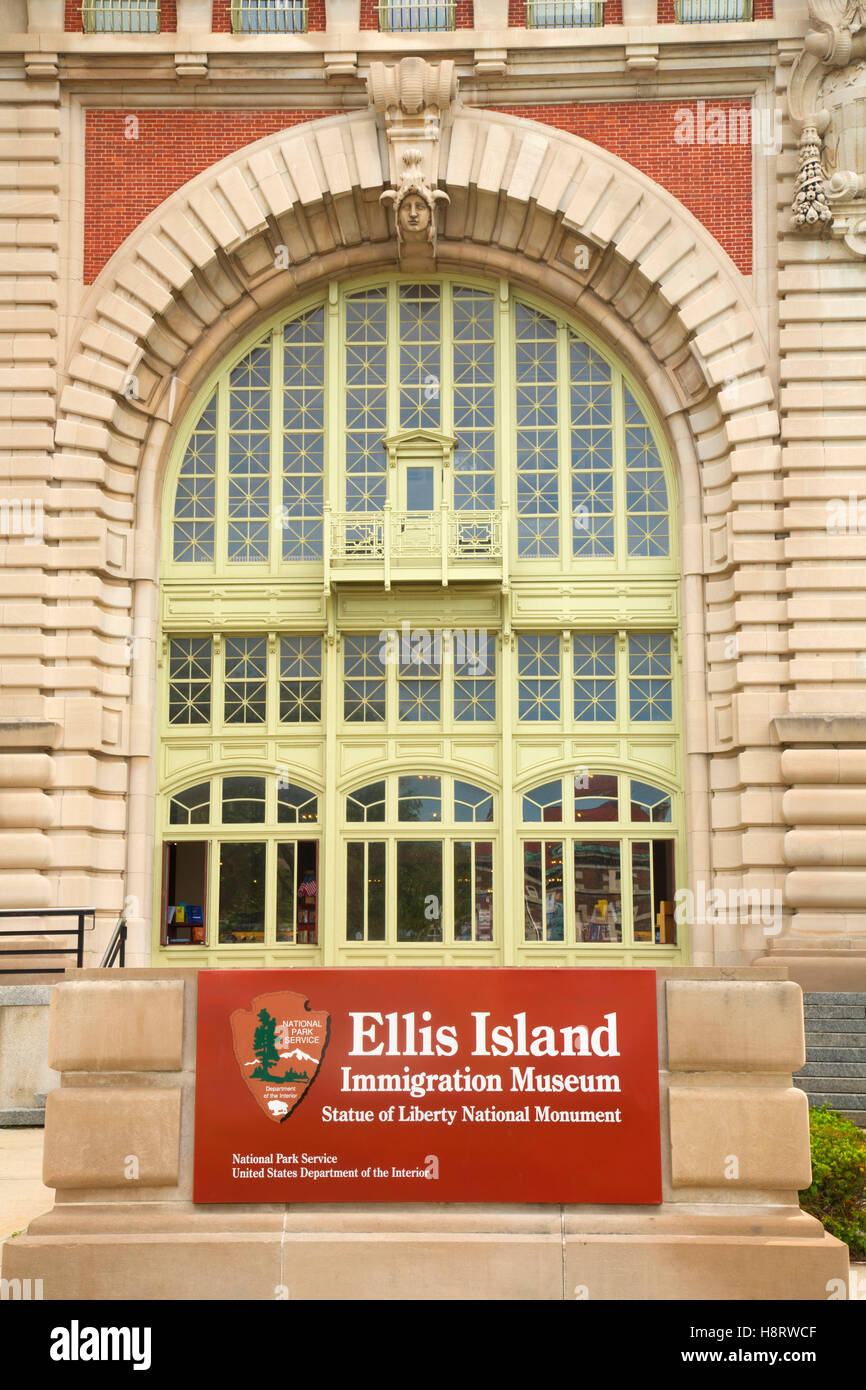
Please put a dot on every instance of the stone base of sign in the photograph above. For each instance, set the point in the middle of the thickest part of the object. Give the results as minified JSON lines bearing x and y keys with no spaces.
{"x":735,"y":1151}
{"x":427,"y":1252}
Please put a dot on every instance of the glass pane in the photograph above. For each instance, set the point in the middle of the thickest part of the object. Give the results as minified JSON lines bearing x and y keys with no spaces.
{"x":249,"y":457}
{"x":594,"y":657}
{"x":420,"y":494}
{"x":474,"y":395}
{"x":246,"y":671}
{"x":366,"y":803}
{"x":646,"y":490}
{"x":420,"y":798}
{"x":185,"y":892}
{"x":542,"y":891}
{"x":363,"y":679}
{"x":642,"y":890}
{"x":295,"y":804}
{"x":366,"y":416}
{"x":241,"y":892}
{"x":595,"y":798}
{"x":538,"y":676}
{"x":365,"y":891}
{"x":473,"y":890}
{"x":591,"y":452}
{"x":537,"y":439}
{"x":597,"y":890}
{"x":544,"y":803}
{"x":243,"y":800}
{"x":195,"y":497}
{"x":419,"y":890}
{"x":474,"y":676}
{"x":300,"y":680}
{"x":191,"y":806}
{"x":649,"y":670}
{"x":189,"y":676}
{"x":472,"y":803}
{"x":298,"y":892}
{"x":649,"y":803}
{"x":303,"y":419}
{"x":286,"y":903}
{"x":420,"y":372}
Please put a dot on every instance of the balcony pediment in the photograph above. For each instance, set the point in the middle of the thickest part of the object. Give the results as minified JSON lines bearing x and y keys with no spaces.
{"x":420,"y":446}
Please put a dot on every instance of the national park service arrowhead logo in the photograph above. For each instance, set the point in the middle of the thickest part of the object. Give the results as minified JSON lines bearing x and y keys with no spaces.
{"x":279,"y":1045}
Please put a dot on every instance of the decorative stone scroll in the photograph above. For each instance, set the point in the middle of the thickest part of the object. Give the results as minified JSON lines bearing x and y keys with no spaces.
{"x":827,"y":103}
{"x":415,"y":100}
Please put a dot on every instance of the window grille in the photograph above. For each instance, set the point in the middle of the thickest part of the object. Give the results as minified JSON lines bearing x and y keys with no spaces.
{"x":711,"y":11}
{"x":395,"y":18}
{"x":120,"y":16}
{"x":269,"y":17}
{"x":564,"y":14}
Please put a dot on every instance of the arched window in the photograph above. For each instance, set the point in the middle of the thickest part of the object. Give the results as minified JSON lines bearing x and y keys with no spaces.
{"x":606,"y":874}
{"x":419,"y":574}
{"x":240,"y":864}
{"x":422,"y":869}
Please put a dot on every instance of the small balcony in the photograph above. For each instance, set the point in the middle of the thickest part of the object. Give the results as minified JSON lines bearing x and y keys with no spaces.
{"x":429,"y":547}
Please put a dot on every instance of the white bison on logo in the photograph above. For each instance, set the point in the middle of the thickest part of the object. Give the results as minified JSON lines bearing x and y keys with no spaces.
{"x":278,"y":1107}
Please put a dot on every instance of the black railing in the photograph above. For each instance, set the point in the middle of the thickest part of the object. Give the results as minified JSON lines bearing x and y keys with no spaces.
{"x":116,"y":947}
{"x":22,"y":934}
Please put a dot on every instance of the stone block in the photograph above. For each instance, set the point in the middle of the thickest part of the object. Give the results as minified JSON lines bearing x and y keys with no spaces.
{"x":734,"y":1137}
{"x":734,"y":1025}
{"x":93,"y":1134}
{"x":128,"y":1025}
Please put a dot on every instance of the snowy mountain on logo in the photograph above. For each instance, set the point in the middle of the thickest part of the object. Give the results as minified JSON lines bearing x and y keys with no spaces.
{"x":297,"y":1052}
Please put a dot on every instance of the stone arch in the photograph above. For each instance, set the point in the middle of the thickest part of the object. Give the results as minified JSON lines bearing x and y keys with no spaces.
{"x":540,"y":207}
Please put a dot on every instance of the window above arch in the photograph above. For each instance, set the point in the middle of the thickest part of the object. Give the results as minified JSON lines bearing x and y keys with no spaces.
{"x":401,"y":421}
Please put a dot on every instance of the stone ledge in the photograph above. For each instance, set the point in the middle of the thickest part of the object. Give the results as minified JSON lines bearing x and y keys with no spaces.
{"x":821,"y":728}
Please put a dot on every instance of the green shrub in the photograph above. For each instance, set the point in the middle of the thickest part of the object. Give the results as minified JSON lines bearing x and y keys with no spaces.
{"x":838,"y":1192}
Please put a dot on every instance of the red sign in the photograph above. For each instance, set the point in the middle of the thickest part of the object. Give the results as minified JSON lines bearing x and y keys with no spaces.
{"x":427,"y":1085}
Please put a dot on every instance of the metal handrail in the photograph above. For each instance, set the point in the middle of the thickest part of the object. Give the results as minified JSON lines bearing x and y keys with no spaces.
{"x":116,"y":946}
{"x":77,"y":950}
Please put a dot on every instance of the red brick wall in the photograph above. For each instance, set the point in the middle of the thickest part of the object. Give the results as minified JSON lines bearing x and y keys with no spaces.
{"x":125,"y":179}
{"x":713,"y":181}
{"x":72,"y":22}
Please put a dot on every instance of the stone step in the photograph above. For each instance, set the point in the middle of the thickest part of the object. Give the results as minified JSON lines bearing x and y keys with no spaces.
{"x":834,"y":1067}
{"x":830,"y":996}
{"x":834,"y":1039}
{"x":837,"y":1100}
{"x":855,"y":1084}
{"x":838,"y":1025}
{"x":834,"y":1011}
{"x":837,"y":1054}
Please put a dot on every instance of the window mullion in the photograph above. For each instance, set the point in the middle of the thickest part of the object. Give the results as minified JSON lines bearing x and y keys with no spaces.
{"x":271,"y":885}
{"x":275,"y":536}
{"x":221,"y":508}
{"x":620,"y":526}
{"x":563,"y":420}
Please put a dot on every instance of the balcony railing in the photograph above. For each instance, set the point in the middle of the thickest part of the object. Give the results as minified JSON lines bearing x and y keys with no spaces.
{"x":269,"y":16}
{"x":120,"y":16}
{"x":416,"y":18}
{"x":711,"y":11}
{"x":564,"y":14}
{"x":426,"y":543}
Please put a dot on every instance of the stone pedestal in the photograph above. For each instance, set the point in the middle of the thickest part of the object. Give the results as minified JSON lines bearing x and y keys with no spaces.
{"x":735,"y":1151}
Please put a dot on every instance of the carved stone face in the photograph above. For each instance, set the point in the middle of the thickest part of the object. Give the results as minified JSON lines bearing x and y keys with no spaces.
{"x":414,"y":215}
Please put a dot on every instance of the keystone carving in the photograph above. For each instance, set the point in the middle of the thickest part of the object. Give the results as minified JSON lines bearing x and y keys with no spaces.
{"x":827,"y":103}
{"x":414,"y":101}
